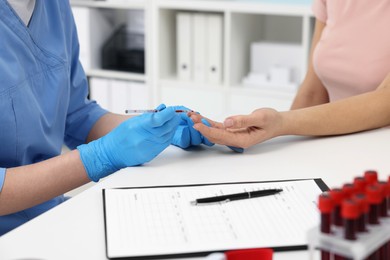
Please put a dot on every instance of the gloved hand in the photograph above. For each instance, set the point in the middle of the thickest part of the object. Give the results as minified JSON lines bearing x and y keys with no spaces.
{"x":185,"y":135}
{"x":135,"y":141}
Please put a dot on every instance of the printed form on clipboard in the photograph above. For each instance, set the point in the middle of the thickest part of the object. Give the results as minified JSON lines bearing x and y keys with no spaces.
{"x":160,"y":222}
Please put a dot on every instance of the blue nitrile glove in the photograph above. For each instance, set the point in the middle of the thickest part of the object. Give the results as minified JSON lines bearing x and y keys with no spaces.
{"x":135,"y":141}
{"x":185,"y":135}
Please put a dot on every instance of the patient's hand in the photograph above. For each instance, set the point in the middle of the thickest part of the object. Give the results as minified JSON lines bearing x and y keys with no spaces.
{"x":241,"y":130}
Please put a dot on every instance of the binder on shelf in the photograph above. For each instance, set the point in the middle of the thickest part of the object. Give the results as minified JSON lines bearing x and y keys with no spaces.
{"x":93,"y":28}
{"x":139,"y":95}
{"x":199,"y":48}
{"x":184,"y":45}
{"x":120,"y":95}
{"x":100,"y":92}
{"x":214,"y":48}
{"x":81,"y":17}
{"x":283,"y":61}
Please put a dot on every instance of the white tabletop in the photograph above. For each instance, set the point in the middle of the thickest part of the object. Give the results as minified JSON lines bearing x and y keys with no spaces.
{"x":75,"y":229}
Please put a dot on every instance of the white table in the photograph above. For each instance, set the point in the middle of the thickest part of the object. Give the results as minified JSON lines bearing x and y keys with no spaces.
{"x":75,"y":229}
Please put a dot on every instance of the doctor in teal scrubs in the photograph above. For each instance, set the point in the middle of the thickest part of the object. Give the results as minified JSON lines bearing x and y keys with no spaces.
{"x":43,"y":105}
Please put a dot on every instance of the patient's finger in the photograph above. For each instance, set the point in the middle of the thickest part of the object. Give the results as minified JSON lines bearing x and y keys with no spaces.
{"x":198,"y":119}
{"x":240,"y":121}
{"x":216,"y":135}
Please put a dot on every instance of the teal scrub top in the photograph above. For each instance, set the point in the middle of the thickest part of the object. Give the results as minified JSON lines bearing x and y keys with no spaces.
{"x":43,"y":93}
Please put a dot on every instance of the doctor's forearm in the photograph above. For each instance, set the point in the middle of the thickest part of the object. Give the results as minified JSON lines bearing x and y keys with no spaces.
{"x":30,"y":185}
{"x":105,"y":124}
{"x":358,"y":113}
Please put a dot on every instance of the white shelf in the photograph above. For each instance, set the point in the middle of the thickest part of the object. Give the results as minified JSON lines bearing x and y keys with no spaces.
{"x":244,"y":22}
{"x":267,"y":7}
{"x":100,"y":73}
{"x":172,"y":82}
{"x":258,"y":6}
{"x":133,"y":4}
{"x":243,"y":100}
{"x":282,"y":93}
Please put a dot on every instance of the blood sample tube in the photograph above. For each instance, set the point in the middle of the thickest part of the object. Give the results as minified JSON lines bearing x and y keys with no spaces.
{"x":371,"y":176}
{"x":337,"y":196}
{"x":374,"y":197}
{"x":362,"y":221}
{"x":325,"y":205}
{"x":388,"y":198}
{"x":388,"y":202}
{"x":383,"y":214}
{"x":388,"y":209}
{"x":360,"y":184}
{"x":384,"y":190}
{"x":350,"y":213}
{"x":349,"y":190}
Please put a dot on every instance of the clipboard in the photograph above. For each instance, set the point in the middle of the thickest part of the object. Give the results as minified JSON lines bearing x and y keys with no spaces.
{"x":159,"y":222}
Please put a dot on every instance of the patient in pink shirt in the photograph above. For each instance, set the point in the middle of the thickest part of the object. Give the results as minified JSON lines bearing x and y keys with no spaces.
{"x":346,"y":88}
{"x":352,"y":55}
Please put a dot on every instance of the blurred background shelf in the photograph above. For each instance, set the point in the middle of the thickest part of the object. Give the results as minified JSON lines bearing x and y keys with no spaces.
{"x":237,"y":25}
{"x":113,"y":74}
{"x":114,"y":4}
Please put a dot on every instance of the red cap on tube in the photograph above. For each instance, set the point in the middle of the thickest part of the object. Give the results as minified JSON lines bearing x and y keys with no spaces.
{"x":250,"y":254}
{"x":361,"y":199}
{"x":325,"y":203}
{"x":388,"y":183}
{"x":371,"y":176}
{"x":374,"y":194}
{"x":384,"y":188}
{"x":348,"y":190}
{"x":360,"y":184}
{"x":337,"y":196}
{"x":350,"y":209}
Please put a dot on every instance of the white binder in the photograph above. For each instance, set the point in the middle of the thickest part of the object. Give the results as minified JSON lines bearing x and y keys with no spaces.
{"x":100,"y":92}
{"x":82,"y":17}
{"x":199,"y":47}
{"x":139,"y":96}
{"x":120,"y":96}
{"x":214,"y":48}
{"x":93,"y":29}
{"x":184,"y":45}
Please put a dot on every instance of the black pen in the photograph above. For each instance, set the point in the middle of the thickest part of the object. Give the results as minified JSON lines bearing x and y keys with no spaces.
{"x":236,"y":196}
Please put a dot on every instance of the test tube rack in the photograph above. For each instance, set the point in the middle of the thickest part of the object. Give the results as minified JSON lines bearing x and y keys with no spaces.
{"x":359,"y":249}
{"x":355,"y":221}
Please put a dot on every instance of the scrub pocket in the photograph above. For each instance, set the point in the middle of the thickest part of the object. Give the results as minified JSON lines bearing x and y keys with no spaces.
{"x":8,"y":137}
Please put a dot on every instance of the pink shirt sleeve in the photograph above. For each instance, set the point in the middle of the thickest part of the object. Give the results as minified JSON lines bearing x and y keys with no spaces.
{"x":319,"y":10}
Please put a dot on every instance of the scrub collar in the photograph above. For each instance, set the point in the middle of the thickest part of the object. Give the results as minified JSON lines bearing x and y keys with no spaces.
{"x":24,"y":8}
